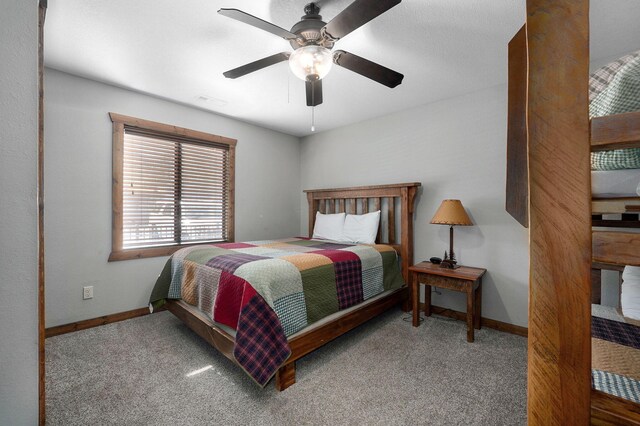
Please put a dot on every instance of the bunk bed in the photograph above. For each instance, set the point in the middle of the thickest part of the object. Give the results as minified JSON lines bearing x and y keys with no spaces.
{"x":614,"y":96}
{"x":615,"y":129}
{"x":615,"y":244}
{"x":549,"y":191}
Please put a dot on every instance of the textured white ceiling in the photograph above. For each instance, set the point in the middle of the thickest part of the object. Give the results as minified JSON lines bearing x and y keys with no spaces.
{"x":179,"y":50}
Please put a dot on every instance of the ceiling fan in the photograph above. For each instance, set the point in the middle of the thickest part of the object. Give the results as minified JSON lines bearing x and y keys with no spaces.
{"x":312,"y":40}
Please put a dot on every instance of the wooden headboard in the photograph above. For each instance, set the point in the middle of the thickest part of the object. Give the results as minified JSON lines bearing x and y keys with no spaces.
{"x":394,"y":201}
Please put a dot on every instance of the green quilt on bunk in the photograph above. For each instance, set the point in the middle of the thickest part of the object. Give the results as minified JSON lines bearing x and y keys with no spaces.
{"x":615,"y":89}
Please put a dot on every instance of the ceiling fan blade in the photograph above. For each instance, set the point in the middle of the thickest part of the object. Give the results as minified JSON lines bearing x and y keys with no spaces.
{"x":258,"y":23}
{"x":314,"y":92}
{"x":256,"y":65}
{"x":365,"y":67}
{"x":356,"y":15}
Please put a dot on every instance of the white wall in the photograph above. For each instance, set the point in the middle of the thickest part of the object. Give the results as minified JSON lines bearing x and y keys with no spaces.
{"x":78,"y":191}
{"x":18,"y":210}
{"x":457,"y":149}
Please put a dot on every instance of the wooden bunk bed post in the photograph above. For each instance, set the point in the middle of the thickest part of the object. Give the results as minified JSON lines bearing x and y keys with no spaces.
{"x":559,"y":354}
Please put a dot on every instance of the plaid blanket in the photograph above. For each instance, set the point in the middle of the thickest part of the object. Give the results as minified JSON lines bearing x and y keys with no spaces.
{"x":615,"y":89}
{"x":615,"y":357}
{"x":268,"y":290}
{"x":601,"y":79}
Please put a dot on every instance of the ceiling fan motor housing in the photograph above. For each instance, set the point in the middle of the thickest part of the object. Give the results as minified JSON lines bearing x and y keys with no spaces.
{"x":309,"y":29}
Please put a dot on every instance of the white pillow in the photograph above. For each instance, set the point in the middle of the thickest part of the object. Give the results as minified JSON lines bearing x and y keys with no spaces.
{"x":329,"y":226}
{"x":631,"y":272}
{"x":361,"y":229}
{"x":630,"y":292}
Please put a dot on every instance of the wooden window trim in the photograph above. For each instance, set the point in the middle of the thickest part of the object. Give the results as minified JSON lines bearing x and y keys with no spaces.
{"x":119,"y":122}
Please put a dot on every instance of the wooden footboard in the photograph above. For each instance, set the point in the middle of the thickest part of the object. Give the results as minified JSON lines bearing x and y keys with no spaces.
{"x":316,"y":337}
{"x":301,"y":344}
{"x":203,"y":326}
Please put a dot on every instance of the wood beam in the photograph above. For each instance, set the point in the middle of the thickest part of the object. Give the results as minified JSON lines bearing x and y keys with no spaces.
{"x":619,"y":248}
{"x":42,"y":13}
{"x":615,"y":131}
{"x":559,"y":354}
{"x":517,"y":199}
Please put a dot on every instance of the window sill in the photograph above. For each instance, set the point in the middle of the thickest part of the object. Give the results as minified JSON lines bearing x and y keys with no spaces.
{"x":143,"y":253}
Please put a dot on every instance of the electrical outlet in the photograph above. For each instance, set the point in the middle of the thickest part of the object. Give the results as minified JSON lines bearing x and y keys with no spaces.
{"x":87,"y":292}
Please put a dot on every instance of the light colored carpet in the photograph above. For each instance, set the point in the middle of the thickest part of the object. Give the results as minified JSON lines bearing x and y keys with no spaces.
{"x":383,"y":373}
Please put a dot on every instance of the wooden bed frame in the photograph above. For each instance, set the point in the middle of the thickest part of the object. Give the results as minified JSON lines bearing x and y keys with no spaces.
{"x":562,"y":245}
{"x":394,"y":201}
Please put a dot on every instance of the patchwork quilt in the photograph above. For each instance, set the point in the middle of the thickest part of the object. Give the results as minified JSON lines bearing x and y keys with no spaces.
{"x":269,"y":290}
{"x":615,"y":352}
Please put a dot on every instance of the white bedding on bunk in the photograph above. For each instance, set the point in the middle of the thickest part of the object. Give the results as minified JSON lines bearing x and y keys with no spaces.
{"x":615,"y":183}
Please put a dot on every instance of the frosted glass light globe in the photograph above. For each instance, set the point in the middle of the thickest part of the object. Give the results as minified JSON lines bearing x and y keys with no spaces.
{"x":311,"y":63}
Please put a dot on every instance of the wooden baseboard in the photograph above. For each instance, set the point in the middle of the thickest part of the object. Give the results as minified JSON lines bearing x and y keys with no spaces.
{"x":94,"y":322}
{"x":121,"y":316}
{"x":485,"y":322}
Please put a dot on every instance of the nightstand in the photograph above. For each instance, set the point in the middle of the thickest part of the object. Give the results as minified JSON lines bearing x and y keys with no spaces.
{"x":464,"y":279}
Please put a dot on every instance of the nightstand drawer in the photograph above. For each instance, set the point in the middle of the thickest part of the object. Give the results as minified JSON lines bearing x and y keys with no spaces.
{"x":444,"y":282}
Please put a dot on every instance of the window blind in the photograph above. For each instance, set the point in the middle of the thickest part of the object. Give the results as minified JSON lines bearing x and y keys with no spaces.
{"x":175,"y":190}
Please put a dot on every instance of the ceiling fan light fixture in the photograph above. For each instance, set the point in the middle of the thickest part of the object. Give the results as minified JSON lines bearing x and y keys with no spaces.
{"x":311,"y":63}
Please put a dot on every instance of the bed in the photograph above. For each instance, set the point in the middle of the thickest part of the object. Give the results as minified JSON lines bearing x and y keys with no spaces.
{"x":614,"y":102}
{"x":265,"y":304}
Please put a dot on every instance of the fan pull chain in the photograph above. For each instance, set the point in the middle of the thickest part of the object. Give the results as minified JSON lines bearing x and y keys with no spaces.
{"x":288,"y":87}
{"x":313,"y":119}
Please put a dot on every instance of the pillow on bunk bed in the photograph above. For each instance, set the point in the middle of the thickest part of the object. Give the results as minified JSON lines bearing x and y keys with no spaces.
{"x":615,"y":89}
{"x":630,"y":292}
{"x":328,"y":226}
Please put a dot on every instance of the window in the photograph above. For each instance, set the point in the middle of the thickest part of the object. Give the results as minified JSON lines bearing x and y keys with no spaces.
{"x":172,"y":187}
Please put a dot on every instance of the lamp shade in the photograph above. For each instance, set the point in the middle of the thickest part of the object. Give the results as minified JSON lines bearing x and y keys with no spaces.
{"x":451,"y":212}
{"x":310,"y":63}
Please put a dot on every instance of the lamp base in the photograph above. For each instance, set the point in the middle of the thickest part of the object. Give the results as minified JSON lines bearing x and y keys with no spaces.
{"x":449,"y":264}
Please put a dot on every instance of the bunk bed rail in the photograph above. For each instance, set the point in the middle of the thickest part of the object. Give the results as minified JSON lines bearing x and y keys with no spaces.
{"x":616,"y":131}
{"x":616,"y":248}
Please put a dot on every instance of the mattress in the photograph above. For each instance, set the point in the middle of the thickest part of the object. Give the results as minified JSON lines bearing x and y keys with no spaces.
{"x":615,"y":183}
{"x":615,"y":354}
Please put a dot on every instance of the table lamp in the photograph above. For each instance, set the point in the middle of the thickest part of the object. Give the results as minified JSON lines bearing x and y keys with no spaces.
{"x":451,"y":212}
